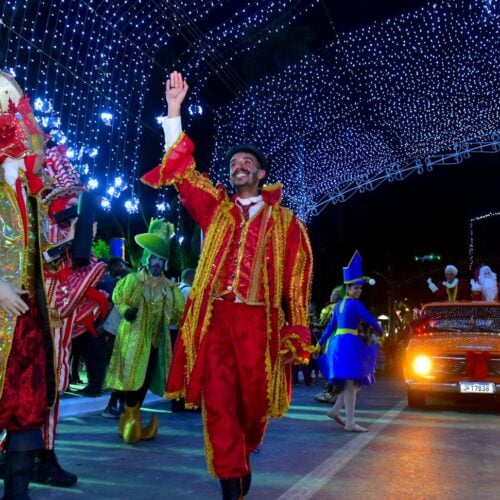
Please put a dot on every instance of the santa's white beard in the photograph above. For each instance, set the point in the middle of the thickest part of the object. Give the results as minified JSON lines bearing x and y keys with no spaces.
{"x":489,"y":287}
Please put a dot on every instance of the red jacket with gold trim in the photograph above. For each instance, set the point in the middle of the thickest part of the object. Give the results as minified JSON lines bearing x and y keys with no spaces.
{"x":273,"y":268}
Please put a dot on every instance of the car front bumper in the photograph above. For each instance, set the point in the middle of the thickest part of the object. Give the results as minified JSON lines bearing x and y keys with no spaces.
{"x":441,"y":387}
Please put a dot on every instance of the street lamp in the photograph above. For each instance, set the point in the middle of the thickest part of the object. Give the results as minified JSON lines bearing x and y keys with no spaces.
{"x":390,"y":302}
{"x":381,"y":318}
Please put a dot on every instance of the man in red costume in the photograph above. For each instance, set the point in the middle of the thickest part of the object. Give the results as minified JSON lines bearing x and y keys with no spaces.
{"x":246,"y":319}
{"x":452,"y":288}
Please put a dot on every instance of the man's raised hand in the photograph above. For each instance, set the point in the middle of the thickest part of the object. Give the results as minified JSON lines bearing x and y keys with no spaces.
{"x":175,"y":92}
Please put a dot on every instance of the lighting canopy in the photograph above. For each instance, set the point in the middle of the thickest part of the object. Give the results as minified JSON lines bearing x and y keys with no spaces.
{"x":373,"y":105}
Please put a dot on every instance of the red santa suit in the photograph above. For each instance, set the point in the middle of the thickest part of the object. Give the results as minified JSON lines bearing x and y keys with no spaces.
{"x":485,"y":286}
{"x":247,"y":312}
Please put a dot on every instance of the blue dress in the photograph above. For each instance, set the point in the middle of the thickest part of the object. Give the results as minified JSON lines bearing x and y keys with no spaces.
{"x":347,"y":356}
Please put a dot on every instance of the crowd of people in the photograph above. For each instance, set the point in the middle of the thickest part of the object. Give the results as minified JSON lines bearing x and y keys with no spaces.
{"x":229,"y":338}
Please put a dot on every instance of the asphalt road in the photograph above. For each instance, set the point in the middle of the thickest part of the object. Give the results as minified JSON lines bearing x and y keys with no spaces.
{"x":444,"y":451}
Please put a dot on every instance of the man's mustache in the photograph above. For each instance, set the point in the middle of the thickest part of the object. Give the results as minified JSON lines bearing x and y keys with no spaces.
{"x":240,"y":170}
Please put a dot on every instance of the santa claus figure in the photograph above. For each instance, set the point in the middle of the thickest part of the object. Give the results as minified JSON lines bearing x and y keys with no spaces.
{"x":451,"y":289}
{"x":485,"y":286}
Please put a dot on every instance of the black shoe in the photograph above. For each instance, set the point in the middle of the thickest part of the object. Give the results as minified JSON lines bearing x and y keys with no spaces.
{"x":231,"y":489}
{"x":48,"y":471}
{"x":2,"y":465}
{"x":88,"y":392}
{"x":245,"y":484}
{"x":177,"y":405}
{"x":110,"y":412}
{"x":17,"y":474}
{"x":247,"y":480}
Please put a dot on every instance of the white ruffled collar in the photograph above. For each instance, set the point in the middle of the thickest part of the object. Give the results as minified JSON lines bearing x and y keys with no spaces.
{"x":249,"y":201}
{"x":453,"y":284}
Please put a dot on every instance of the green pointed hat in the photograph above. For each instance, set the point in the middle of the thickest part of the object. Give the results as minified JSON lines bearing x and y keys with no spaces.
{"x":157,"y":240}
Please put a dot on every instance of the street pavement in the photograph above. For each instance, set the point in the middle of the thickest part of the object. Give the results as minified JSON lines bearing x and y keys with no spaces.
{"x":442,"y":452}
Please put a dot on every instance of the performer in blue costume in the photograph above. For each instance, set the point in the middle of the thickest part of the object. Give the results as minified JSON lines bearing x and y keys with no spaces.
{"x":350,"y":361}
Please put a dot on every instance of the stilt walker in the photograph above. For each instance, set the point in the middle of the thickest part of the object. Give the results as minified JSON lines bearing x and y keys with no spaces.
{"x":27,"y":379}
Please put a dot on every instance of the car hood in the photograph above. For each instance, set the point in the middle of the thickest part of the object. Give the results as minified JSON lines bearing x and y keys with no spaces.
{"x":455,"y":343}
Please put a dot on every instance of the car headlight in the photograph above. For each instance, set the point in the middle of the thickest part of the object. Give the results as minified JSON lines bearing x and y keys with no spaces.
{"x":422,"y":364}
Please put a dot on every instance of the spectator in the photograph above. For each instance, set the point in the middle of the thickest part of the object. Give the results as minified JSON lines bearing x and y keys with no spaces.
{"x":330,"y":391}
{"x":117,"y":269}
{"x":186,"y":283}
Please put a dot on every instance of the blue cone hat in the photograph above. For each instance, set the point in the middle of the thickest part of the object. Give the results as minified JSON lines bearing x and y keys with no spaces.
{"x":117,"y":248}
{"x":353,"y":273}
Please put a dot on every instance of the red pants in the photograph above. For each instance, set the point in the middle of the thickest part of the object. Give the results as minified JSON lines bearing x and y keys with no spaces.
{"x":23,"y":405}
{"x":234,"y":386}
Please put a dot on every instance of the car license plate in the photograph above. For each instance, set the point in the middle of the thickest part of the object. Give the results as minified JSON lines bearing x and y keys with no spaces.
{"x":477,"y":387}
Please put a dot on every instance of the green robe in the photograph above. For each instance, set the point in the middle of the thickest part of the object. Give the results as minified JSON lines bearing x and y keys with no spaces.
{"x":160,"y":304}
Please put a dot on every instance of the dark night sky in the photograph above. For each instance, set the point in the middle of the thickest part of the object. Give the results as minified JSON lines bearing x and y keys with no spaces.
{"x":423,"y":214}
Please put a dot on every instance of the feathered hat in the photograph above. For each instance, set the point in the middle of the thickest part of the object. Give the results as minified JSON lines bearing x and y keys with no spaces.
{"x":157,"y":240}
{"x":20,"y":133}
{"x":353,"y":274}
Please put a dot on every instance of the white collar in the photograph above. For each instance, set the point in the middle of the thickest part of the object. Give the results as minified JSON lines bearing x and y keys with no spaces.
{"x":453,"y":284}
{"x":249,"y":201}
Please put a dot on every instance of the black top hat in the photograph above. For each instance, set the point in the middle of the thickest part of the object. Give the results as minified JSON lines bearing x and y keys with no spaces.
{"x":248,"y":148}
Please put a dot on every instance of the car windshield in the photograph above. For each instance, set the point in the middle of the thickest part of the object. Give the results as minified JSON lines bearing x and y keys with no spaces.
{"x":463,"y":318}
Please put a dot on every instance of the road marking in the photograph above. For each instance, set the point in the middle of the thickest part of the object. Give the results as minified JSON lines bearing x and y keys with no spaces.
{"x":316,"y":479}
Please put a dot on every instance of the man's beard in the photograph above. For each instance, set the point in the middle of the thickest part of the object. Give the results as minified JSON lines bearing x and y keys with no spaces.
{"x":489,"y":287}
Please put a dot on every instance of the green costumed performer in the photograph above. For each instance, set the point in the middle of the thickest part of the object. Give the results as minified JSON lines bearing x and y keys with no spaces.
{"x":148,"y":302}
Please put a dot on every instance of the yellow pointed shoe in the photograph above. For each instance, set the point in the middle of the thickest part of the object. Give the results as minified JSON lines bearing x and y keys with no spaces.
{"x":151,"y":430}
{"x":132,"y":427}
{"x":121,"y":423}
{"x":126,"y":415}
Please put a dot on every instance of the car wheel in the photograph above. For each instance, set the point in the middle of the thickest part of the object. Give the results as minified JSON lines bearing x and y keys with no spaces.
{"x":416,"y":399}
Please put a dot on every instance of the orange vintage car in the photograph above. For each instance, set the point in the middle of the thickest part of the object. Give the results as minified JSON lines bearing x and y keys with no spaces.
{"x":454,"y":349}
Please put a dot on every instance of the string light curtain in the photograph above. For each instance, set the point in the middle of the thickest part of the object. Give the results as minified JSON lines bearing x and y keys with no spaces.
{"x":379,"y":103}
{"x":88,"y":65}
{"x":375,"y":105}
